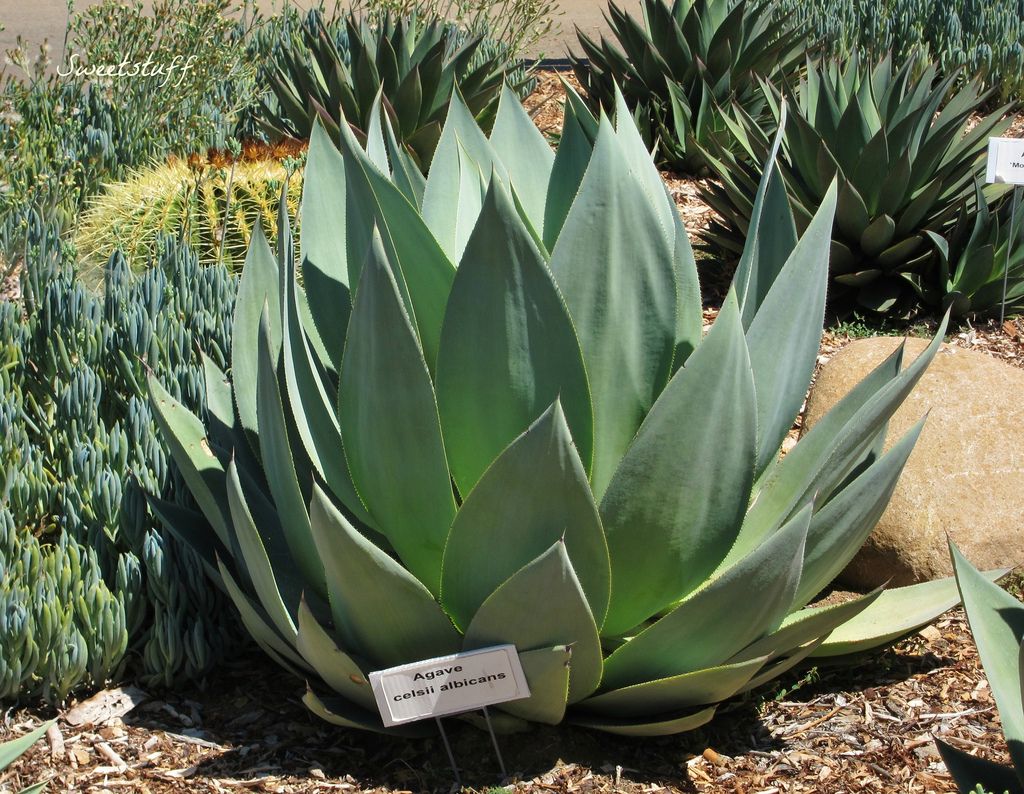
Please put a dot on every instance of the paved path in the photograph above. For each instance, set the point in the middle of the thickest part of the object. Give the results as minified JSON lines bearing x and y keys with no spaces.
{"x":36,"y":20}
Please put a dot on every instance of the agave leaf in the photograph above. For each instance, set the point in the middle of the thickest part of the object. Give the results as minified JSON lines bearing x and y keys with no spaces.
{"x":257,"y":287}
{"x":698,"y":688}
{"x":258,"y":563}
{"x":806,"y":625}
{"x":535,"y":493}
{"x":571,"y":160}
{"x":324,"y":252}
{"x":224,"y":428}
{"x":11,"y":750}
{"x":547,"y":674}
{"x":406,"y":175}
{"x":663,"y":725}
{"x":969,"y":772}
{"x":893,"y":192}
{"x":784,"y":337}
{"x":387,"y":409}
{"x":997,"y":623}
{"x":260,"y":627}
{"x":540,"y":606}
{"x":772,"y":671}
{"x":771,"y":235}
{"x":473,"y":185}
{"x":202,"y":471}
{"x":219,"y":402}
{"x":589,"y":123}
{"x":423,"y":273}
{"x":770,"y":243}
{"x":919,"y":207}
{"x":851,"y":212}
{"x":842,"y":526}
{"x":626,"y":320}
{"x":279,"y":464}
{"x":408,"y":99}
{"x":508,"y":348}
{"x":534,"y":232}
{"x":381,"y":611}
{"x":640,"y":163}
{"x":878,"y":235}
{"x":525,"y":153}
{"x":745,"y":602}
{"x":689,"y":314}
{"x":192,"y":529}
{"x":444,"y":195}
{"x":832,"y":448}
{"x":893,"y":615}
{"x":338,"y":711}
{"x":668,"y":521}
{"x":376,"y":149}
{"x":312,"y":406}
{"x":689,"y":325}
{"x":337,"y":669}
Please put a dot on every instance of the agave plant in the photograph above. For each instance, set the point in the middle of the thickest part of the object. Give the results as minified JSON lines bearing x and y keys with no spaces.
{"x":997,"y":622}
{"x":535,"y":446}
{"x":979,"y":256}
{"x":416,"y":63}
{"x":683,"y":61}
{"x":904,"y":154}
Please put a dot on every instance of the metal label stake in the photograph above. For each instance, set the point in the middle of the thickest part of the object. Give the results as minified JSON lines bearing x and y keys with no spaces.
{"x":459,"y":683}
{"x":494,"y":741}
{"x":451,"y":755}
{"x":448,"y":749}
{"x":1017,"y":190}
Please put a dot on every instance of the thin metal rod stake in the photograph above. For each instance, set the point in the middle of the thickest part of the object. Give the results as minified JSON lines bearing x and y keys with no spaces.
{"x":1009,"y":250}
{"x":494,"y":741}
{"x":448,"y":749}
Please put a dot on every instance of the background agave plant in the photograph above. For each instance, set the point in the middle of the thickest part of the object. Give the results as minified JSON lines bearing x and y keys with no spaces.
{"x":904,"y":158}
{"x":339,"y":69}
{"x":683,"y":61}
{"x":997,"y":622}
{"x":412,"y":458}
{"x":973,"y":256}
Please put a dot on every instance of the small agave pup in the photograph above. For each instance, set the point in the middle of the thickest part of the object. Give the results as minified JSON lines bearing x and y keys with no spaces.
{"x":488,"y":416}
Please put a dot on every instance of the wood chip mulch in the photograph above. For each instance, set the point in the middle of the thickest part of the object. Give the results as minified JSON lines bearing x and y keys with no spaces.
{"x":546,"y":102}
{"x":866,"y":728}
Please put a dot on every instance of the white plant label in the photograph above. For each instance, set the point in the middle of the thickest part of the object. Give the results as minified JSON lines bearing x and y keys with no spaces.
{"x":1005,"y":161}
{"x":449,"y":684}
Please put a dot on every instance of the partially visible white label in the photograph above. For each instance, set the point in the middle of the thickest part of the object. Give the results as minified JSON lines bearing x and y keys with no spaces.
{"x":449,"y":684}
{"x":1005,"y":161}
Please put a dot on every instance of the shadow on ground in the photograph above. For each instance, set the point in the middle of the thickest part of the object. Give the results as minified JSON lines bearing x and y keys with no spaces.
{"x":252,"y":711}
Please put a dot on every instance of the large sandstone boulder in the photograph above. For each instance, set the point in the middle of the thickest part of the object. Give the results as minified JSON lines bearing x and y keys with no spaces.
{"x":965,"y":477}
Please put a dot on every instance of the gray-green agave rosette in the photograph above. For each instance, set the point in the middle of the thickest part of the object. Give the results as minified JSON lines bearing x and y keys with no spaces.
{"x":488,"y":415}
